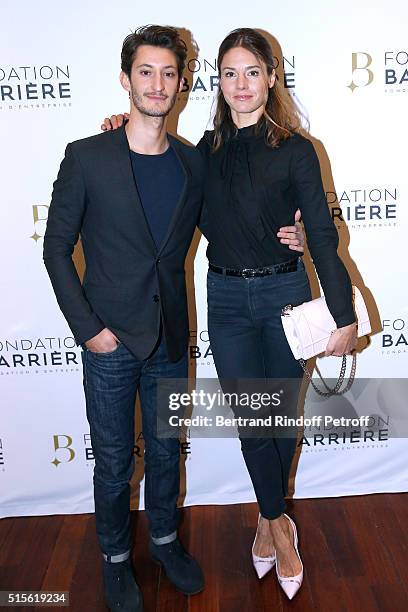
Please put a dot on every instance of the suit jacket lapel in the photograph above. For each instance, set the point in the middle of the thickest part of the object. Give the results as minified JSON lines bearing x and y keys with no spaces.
{"x":183,"y":196}
{"x":123,"y":162}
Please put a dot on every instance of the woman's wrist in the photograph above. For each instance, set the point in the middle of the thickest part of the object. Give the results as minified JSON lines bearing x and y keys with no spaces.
{"x":348,"y":327}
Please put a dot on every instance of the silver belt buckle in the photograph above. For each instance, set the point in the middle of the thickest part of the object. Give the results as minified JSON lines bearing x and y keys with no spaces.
{"x":247,"y":273}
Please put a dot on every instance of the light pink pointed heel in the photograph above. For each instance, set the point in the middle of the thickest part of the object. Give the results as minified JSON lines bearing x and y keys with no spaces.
{"x":262,"y":565}
{"x":291,"y":584}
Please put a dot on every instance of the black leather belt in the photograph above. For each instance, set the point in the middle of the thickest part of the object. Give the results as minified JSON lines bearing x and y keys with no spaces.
{"x":287,"y":266}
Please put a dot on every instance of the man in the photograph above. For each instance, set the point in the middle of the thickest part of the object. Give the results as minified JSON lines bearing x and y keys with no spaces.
{"x":134,"y":195}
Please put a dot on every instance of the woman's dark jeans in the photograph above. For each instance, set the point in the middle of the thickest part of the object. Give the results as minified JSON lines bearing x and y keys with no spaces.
{"x":247,"y":341}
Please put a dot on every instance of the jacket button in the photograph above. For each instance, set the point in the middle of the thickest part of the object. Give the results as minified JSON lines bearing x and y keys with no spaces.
{"x":158,"y":260}
{"x":155,"y":298}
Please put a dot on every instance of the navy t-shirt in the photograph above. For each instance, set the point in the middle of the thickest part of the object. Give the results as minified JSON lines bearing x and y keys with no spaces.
{"x":159,"y":180}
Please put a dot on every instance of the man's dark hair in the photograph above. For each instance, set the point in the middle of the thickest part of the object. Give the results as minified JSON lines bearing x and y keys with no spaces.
{"x":165,"y":37}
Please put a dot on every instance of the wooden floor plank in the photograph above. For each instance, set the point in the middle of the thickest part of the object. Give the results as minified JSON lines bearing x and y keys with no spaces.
{"x":399,"y":503}
{"x":393,"y":544}
{"x":341,"y":540}
{"x":368,"y":527}
{"x":18,"y":539}
{"x":64,"y":556}
{"x":394,"y":535}
{"x":29,"y":552}
{"x":86,"y":592}
{"x":320,"y":567}
{"x":231,"y":562}
{"x":204,"y":547}
{"x":5,"y":526}
{"x":358,"y":595}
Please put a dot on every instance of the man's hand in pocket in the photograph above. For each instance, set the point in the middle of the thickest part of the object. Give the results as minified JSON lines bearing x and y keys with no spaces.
{"x":104,"y":342}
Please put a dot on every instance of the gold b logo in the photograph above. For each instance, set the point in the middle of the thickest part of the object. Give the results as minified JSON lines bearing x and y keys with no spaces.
{"x":62,"y":443}
{"x":360,"y":63}
{"x":40,"y":215}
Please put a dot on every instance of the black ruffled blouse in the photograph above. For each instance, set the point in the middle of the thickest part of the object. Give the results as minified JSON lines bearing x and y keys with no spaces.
{"x":252,"y":190}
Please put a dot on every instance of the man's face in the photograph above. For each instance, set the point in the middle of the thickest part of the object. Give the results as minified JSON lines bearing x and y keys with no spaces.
{"x":154,"y":81}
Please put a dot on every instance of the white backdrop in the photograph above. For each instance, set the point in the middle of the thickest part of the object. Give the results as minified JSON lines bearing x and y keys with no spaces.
{"x":59,"y":69}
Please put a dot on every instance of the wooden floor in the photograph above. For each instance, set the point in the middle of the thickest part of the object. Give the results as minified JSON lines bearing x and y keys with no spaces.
{"x":355,"y":552}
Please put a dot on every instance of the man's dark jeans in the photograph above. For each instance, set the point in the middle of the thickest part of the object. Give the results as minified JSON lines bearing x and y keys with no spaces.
{"x":111,"y":381}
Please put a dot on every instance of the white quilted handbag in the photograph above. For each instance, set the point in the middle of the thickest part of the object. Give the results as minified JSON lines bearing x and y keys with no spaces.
{"x":308,"y":328}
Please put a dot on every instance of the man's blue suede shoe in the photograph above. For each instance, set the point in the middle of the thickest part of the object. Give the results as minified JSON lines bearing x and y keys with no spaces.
{"x":121,"y":590}
{"x":180,"y":567}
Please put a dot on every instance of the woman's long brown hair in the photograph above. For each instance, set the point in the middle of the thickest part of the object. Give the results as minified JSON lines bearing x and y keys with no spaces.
{"x":281,"y":116}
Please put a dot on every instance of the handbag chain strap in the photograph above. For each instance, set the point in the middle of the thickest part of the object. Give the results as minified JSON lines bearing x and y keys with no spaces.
{"x":336,"y":390}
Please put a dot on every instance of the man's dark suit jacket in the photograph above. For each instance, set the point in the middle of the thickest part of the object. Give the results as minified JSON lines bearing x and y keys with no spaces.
{"x":127,"y":282}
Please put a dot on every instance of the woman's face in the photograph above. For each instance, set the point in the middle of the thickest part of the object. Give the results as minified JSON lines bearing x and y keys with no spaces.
{"x":245,"y":85}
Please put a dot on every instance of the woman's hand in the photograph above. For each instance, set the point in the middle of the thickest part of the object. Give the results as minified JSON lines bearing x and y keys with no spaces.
{"x":113,"y":122}
{"x":342,"y":341}
{"x":293,"y":235}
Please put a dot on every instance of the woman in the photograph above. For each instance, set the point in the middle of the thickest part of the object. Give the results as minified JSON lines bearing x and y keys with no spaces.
{"x":259,"y":171}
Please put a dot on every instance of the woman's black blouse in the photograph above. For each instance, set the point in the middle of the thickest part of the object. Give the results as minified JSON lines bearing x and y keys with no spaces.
{"x":251,"y":191}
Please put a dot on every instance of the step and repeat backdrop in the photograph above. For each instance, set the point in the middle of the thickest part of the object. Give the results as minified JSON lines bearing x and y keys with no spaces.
{"x":346,"y":66}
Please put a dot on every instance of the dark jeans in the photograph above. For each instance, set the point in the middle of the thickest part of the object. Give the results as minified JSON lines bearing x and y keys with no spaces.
{"x":247,"y":341}
{"x":111,"y":381}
